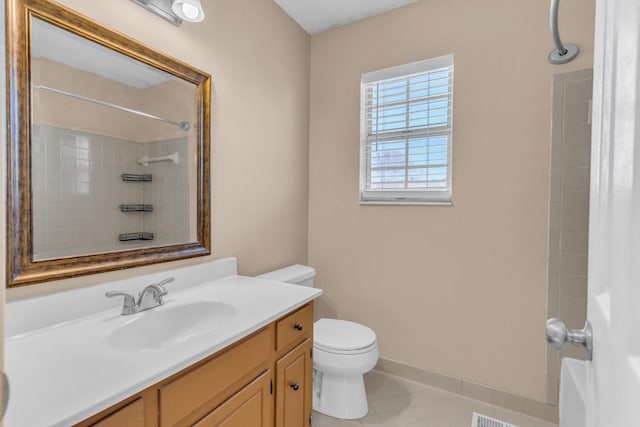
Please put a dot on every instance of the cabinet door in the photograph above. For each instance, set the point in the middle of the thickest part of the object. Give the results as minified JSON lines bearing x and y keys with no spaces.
{"x":131,"y":415}
{"x":250,"y":407}
{"x":192,"y":391}
{"x":294,"y":387}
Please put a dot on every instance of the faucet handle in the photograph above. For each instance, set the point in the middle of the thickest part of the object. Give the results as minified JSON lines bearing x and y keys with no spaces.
{"x":129,"y":306}
{"x":164,"y":282}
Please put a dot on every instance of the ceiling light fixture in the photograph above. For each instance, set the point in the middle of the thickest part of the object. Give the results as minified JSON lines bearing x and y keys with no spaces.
{"x":174,"y":11}
{"x":188,"y":10}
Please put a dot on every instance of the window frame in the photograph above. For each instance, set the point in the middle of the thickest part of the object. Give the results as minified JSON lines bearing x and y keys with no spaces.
{"x":405,"y":196}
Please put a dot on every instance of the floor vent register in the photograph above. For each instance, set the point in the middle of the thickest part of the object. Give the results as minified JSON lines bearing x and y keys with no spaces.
{"x":480,"y":420}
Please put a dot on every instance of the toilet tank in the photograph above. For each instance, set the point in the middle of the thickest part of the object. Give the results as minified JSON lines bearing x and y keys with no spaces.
{"x":297,"y":274}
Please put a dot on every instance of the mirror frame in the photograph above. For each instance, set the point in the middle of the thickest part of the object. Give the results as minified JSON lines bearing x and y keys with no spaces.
{"x":22,"y":269}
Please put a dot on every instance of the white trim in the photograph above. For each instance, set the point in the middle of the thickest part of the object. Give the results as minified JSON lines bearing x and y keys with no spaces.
{"x":406,"y":196}
{"x":408,"y":69}
{"x":405,"y":203}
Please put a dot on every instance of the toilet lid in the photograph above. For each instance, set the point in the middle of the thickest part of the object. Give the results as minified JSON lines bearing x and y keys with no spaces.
{"x":342,"y":335}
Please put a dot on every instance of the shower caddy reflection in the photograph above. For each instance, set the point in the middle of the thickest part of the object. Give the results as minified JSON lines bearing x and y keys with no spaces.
{"x":145,"y":208}
{"x":127,"y":208}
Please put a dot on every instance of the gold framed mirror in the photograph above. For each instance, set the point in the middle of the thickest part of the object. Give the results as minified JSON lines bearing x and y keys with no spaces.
{"x":107,"y":149}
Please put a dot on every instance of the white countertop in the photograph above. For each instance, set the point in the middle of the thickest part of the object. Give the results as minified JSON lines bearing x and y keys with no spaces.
{"x":62,"y":374}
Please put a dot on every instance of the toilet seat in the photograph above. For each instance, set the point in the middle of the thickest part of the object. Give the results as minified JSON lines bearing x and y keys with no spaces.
{"x":372,"y":347}
{"x":343,"y":337}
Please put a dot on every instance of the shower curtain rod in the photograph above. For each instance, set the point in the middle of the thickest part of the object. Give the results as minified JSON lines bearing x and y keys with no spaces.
{"x":182,"y":125}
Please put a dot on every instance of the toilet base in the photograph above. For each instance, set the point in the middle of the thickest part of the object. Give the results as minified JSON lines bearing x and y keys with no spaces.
{"x":339,"y":396}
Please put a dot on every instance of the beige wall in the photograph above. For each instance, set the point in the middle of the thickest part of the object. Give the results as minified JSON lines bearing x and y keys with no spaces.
{"x":259,"y":60}
{"x":459,"y":290}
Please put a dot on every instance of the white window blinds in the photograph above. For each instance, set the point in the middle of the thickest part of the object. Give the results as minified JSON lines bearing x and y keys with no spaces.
{"x":406,"y":133}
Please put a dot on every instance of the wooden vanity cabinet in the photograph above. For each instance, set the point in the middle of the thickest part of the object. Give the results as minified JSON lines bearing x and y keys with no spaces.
{"x":264,"y":380}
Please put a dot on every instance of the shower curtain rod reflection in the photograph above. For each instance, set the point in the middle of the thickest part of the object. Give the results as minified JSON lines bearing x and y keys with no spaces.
{"x":182,"y":125}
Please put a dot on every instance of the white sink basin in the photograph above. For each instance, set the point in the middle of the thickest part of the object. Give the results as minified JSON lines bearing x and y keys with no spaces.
{"x":573,"y":379}
{"x":169,"y":325}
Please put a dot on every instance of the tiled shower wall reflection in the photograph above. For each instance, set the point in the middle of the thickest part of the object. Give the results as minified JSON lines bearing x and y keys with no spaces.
{"x":569,"y":211}
{"x":168,"y":193}
{"x":77,"y":190}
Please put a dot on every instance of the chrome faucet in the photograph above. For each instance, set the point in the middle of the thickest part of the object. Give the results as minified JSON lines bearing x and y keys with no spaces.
{"x":150,"y":297}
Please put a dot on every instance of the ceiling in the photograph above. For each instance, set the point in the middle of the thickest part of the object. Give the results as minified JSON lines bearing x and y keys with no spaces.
{"x":316,"y":16}
{"x":48,"y":40}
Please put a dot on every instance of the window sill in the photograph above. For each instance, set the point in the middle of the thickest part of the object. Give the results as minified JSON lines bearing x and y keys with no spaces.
{"x":404,"y":203}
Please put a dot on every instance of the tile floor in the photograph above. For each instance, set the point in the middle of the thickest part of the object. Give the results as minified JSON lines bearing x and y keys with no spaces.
{"x":396,"y":402}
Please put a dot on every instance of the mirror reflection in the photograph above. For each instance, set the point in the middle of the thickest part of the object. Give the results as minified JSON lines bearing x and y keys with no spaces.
{"x":114,"y":149}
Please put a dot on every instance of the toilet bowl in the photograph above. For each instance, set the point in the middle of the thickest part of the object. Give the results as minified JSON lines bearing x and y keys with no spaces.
{"x":343,"y":352}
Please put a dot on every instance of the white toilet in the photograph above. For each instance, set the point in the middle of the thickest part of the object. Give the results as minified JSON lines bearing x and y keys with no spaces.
{"x":342,"y":352}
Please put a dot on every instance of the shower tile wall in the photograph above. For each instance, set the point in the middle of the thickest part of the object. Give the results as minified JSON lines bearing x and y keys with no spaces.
{"x":77,"y":187}
{"x":569,"y":211}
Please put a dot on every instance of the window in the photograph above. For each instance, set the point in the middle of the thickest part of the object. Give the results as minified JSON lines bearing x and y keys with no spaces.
{"x":405,"y":147}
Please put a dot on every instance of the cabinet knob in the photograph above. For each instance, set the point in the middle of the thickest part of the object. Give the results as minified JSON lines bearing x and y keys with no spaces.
{"x":298,"y":326}
{"x":295,"y":386}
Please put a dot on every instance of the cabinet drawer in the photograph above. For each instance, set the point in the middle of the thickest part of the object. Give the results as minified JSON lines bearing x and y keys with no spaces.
{"x":294,"y":327}
{"x":186,"y":394}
